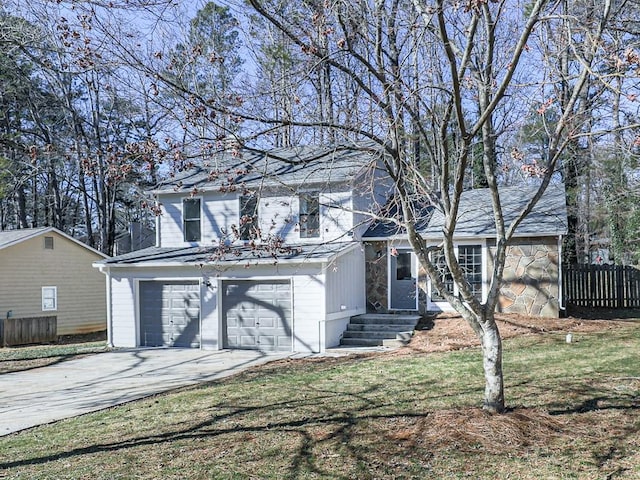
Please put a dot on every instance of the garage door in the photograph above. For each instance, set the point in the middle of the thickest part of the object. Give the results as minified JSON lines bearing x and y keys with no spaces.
{"x":257,"y":315}
{"x":170,"y":314}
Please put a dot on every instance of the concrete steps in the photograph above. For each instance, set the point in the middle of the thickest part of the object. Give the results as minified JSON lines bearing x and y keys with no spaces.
{"x":371,"y":330}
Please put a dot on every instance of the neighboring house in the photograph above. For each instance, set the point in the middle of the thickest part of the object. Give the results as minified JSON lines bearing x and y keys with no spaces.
{"x":210,"y":283}
{"x":45,"y":272}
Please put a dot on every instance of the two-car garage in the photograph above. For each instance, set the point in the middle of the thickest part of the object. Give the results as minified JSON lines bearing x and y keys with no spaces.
{"x":254,"y":315}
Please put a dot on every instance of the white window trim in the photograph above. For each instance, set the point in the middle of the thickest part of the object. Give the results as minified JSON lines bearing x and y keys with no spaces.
{"x":319,"y":234}
{"x":47,"y":308}
{"x":444,"y":305}
{"x":186,"y":242}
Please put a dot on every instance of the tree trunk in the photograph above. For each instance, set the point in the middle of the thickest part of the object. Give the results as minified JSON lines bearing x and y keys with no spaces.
{"x":492,"y":364}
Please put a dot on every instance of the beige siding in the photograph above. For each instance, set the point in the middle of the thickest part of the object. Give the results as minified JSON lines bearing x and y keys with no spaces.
{"x":27,"y":267}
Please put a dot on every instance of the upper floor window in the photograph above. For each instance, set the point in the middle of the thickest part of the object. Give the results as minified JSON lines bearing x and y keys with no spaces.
{"x":48,"y":243}
{"x":191,"y":219}
{"x":248,"y":217}
{"x":309,"y":215}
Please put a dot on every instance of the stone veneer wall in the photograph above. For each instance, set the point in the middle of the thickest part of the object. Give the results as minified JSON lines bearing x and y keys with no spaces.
{"x":377,"y":279}
{"x":375,"y":255}
{"x":530,"y":280}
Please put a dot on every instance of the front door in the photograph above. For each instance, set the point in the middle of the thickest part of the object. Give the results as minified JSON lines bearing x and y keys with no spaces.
{"x":403,"y":281}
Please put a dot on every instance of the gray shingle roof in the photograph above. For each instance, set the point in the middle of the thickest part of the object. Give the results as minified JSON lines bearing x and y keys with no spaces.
{"x":475,"y":215}
{"x":282,"y":166}
{"x":240,"y":255}
{"x":9,"y":237}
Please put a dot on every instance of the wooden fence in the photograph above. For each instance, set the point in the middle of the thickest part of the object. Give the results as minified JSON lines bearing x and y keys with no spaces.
{"x":609,"y":286}
{"x":24,"y":331}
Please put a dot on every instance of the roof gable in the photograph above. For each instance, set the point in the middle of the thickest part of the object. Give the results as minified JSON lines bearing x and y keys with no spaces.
{"x":9,"y":238}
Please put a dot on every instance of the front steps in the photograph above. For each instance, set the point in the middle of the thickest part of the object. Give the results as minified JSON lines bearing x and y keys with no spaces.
{"x":379,"y":329}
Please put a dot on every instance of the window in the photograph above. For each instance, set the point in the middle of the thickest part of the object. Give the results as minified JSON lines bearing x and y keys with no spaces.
{"x":49,"y":298}
{"x":309,"y":215}
{"x":403,"y":266}
{"x":445,"y":275}
{"x":470,"y":261}
{"x":48,"y":243}
{"x":248,"y":217}
{"x":191,"y":219}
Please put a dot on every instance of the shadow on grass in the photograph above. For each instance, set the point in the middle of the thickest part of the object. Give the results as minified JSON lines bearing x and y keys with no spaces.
{"x":339,"y":424}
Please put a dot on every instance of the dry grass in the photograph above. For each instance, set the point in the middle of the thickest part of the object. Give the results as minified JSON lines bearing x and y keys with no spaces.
{"x":575,"y":414}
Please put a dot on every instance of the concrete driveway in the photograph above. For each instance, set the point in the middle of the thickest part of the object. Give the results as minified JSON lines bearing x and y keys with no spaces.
{"x":44,"y":395}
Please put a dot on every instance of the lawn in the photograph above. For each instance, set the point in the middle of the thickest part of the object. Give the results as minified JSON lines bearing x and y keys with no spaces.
{"x":575,"y":414}
{"x":15,"y":359}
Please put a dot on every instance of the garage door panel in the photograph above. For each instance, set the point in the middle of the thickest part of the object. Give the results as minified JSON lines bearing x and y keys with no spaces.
{"x":257,"y":314}
{"x":170,"y":314}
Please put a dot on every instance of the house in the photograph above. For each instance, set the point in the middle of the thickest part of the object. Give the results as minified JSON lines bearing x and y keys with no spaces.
{"x":44,"y":272}
{"x":532,"y":274}
{"x":253,"y":250}
{"x":276,"y":251}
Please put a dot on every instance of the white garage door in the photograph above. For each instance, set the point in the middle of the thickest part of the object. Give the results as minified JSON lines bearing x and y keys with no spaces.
{"x":257,"y":315}
{"x":170,"y":314}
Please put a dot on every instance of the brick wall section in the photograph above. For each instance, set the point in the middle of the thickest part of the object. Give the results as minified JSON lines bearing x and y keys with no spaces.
{"x":530,"y":283}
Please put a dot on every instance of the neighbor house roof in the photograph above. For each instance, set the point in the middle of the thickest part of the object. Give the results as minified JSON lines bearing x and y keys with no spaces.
{"x":239,"y":255}
{"x":13,"y":237}
{"x":282,"y":166}
{"x":475,"y":214}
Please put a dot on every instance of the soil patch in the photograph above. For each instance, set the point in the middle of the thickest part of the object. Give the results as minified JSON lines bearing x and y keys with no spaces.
{"x":448,"y":331}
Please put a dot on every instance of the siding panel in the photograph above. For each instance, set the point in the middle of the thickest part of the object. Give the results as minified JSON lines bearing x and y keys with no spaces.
{"x":26,"y":267}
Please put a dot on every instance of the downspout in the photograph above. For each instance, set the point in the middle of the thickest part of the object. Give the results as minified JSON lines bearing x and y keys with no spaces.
{"x":561,"y":304}
{"x":107,"y":271}
{"x":158,"y":237}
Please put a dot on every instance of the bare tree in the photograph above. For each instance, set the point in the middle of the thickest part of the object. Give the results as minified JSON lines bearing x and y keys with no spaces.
{"x":478,"y":74}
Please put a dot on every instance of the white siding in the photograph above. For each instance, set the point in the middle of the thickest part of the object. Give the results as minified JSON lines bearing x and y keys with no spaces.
{"x":122,"y":326}
{"x":308,"y":312}
{"x":345,"y":283}
{"x":278,"y":216}
{"x":218,"y":213}
{"x":345,"y":294}
{"x":27,"y":267}
{"x":336,"y":216}
{"x":308,"y":300}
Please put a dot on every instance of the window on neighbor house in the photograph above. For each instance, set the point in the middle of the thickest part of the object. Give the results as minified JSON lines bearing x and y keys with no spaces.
{"x":248,"y":217}
{"x":49,"y":298}
{"x":470,"y":260}
{"x":48,"y":243}
{"x":191,"y":219}
{"x":309,"y":215}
